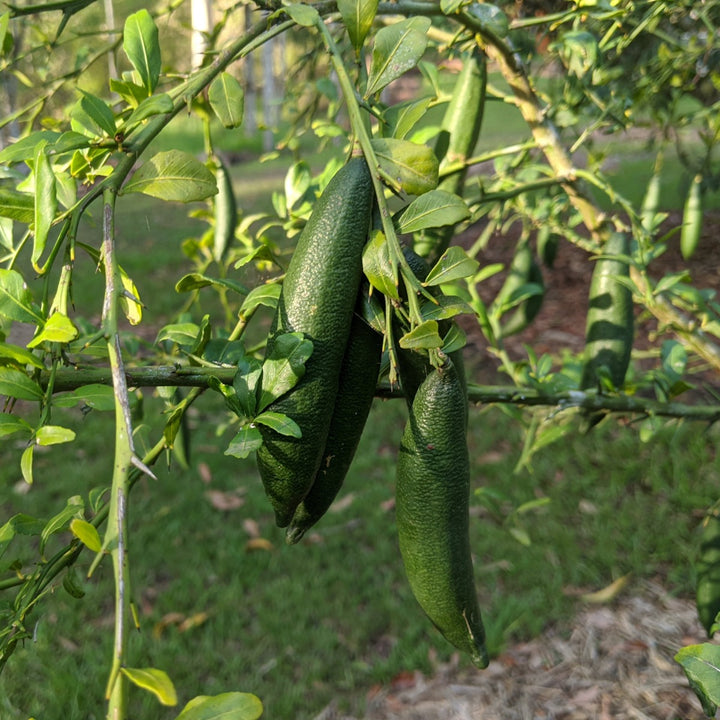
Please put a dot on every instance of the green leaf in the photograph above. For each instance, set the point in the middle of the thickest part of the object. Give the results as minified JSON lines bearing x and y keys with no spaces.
{"x":86,"y":533}
{"x":227,"y":100}
{"x":196,"y":281}
{"x":280,"y":423}
{"x":57,"y":328}
{"x":173,"y":175}
{"x":284,"y":366}
{"x":140,"y":43}
{"x":54,"y":435}
{"x":182,"y":334}
{"x":247,"y":441}
{"x":455,"y":339}
{"x":9,"y":424}
{"x":406,"y":165}
{"x":19,"y":355}
{"x":245,"y":384}
{"x":358,"y":17}
{"x":25,"y":148}
{"x":403,"y":117}
{"x":304,"y":15}
{"x":452,"y":265}
{"x":397,"y":49}
{"x":424,"y":336}
{"x":74,"y":508}
{"x":130,"y":92}
{"x":266,"y":295}
{"x":297,"y":182}
{"x":15,"y":299}
{"x":227,"y":706}
{"x":26,"y":460}
{"x":377,"y":266}
{"x":154,"y":681}
{"x":433,"y":209}
{"x":68,"y":142}
{"x":97,"y":397}
{"x":154,"y":105}
{"x":99,"y":112}
{"x":132,"y":308}
{"x":17,"y":384}
{"x":45,"y":202}
{"x":446,"y":307}
{"x":701,"y":664}
{"x":491,"y":17}
{"x":7,"y":233}
{"x":674,"y":358}
{"x":579,"y":52}
{"x":17,"y":205}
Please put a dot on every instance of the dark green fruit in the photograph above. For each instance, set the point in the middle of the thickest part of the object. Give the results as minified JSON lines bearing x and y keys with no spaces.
{"x":358,"y":381}
{"x":609,"y":329}
{"x":318,"y":298}
{"x":707,"y":567}
{"x":432,"y":500}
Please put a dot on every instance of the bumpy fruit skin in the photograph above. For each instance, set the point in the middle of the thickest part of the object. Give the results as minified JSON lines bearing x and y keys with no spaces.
{"x":432,"y":500}
{"x":707,"y":567}
{"x":317,"y":299}
{"x":358,"y":381}
{"x":609,"y":330}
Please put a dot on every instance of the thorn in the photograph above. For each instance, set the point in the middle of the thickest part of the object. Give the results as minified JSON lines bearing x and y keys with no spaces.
{"x":140,"y":465}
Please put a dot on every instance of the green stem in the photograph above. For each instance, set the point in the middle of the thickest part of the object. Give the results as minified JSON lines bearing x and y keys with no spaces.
{"x":115,"y":541}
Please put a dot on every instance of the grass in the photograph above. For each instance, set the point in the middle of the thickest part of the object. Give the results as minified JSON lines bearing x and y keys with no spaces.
{"x":324,"y":621}
{"x":301,"y":626}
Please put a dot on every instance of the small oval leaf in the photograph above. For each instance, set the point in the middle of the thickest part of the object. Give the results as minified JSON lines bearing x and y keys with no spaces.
{"x":173,"y":175}
{"x":227,"y":100}
{"x":87,"y":534}
{"x":397,"y":49}
{"x":155,"y":681}
{"x":433,"y":209}
{"x":409,"y":166}
{"x":453,"y":265}
{"x":227,"y":706}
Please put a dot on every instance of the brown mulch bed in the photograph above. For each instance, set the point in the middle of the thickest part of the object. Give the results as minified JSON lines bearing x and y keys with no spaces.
{"x":615,"y":662}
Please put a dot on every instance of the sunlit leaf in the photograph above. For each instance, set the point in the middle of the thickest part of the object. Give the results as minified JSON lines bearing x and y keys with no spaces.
{"x":701,"y":664}
{"x":227,"y":100}
{"x":409,"y":166}
{"x":57,"y":328}
{"x":424,"y":336}
{"x":173,"y":175}
{"x":433,"y":209}
{"x":397,"y":49}
{"x":54,"y":435}
{"x":155,"y":681}
{"x":17,"y":205}
{"x":140,"y":43}
{"x":377,"y":266}
{"x":227,"y":706}
{"x":358,"y":17}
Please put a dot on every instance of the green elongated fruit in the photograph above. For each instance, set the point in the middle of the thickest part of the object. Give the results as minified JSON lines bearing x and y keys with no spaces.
{"x":524,"y":270}
{"x":707,"y":568}
{"x":609,"y":328}
{"x":225,"y":212}
{"x":432,"y":501}
{"x":459,"y":135}
{"x":358,"y":381}
{"x":692,"y":219}
{"x":651,"y":203}
{"x":318,"y":298}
